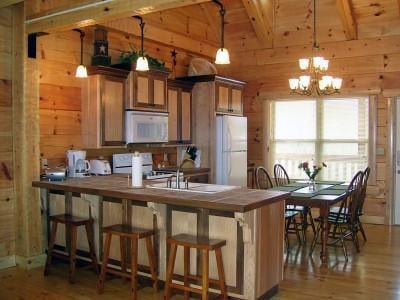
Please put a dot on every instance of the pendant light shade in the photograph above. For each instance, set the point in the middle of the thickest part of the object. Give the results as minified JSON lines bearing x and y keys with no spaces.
{"x":222,"y":56}
{"x":81,"y":71}
{"x":141,"y":63}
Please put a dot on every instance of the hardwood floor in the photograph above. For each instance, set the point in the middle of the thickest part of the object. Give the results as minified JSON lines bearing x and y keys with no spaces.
{"x":372,"y":274}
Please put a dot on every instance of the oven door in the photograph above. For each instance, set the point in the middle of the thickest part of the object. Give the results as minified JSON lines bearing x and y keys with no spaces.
{"x":146,"y":127}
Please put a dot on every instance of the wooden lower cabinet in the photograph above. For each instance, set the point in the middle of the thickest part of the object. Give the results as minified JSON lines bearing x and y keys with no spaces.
{"x":103,"y":108}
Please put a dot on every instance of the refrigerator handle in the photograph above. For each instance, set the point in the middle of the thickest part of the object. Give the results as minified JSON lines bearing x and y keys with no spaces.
{"x":229,"y":143}
{"x":230,"y":165}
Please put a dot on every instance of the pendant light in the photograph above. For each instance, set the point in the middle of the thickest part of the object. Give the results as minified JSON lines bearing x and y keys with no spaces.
{"x":81,"y":71}
{"x":141,"y":64}
{"x":222,"y":57}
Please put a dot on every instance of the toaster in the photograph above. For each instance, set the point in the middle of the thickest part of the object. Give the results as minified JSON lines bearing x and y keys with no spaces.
{"x":100,"y":167}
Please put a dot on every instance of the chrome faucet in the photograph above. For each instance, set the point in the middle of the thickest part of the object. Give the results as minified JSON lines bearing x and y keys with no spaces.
{"x":178,"y":172}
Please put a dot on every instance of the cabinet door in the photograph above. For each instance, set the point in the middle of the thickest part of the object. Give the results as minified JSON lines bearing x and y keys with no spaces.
{"x":159,"y":97}
{"x":172,"y":115}
{"x":236,"y":101}
{"x":142,"y":90}
{"x":113,"y":111}
{"x":186,"y":116}
{"x":222,"y":98}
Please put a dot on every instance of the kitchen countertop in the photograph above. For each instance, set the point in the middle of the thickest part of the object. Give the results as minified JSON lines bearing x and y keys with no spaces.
{"x":116,"y":186}
{"x":188,"y":171}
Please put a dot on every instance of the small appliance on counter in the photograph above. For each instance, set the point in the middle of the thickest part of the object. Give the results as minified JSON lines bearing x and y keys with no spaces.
{"x":78,"y":166}
{"x":122,"y":163}
{"x":54,"y":174}
{"x":100,"y":167}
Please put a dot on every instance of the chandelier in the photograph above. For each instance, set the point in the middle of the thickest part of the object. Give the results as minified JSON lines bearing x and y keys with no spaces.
{"x":316,"y":81}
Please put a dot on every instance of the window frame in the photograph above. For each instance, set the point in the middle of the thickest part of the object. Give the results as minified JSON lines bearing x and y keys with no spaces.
{"x":269,"y":115}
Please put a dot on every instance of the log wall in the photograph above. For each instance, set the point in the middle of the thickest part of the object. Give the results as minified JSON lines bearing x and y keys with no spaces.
{"x":368,"y":67}
{"x":7,"y":196}
{"x":60,"y":90}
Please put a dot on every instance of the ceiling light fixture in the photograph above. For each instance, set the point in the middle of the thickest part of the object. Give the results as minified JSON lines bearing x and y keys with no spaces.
{"x":317,"y":82}
{"x":141,"y":63}
{"x":81,"y":71}
{"x":222,"y":57}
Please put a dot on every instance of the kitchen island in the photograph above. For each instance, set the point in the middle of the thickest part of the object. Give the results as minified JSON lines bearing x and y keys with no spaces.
{"x":251,"y":221}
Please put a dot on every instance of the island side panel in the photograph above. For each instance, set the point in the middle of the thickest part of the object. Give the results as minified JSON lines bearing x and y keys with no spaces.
{"x":269,"y":234}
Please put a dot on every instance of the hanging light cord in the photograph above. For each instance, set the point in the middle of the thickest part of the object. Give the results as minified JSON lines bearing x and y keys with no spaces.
{"x":315,"y":43}
{"x":142,"y":34}
{"x":82,"y":36}
{"x":222,"y":14}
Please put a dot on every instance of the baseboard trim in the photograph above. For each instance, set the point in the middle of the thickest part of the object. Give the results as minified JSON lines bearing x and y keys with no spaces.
{"x":30,"y":262}
{"x":7,"y":262}
{"x":270,"y":293}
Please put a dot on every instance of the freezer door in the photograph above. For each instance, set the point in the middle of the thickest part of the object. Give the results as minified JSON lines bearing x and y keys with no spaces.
{"x":234,"y":133}
{"x":234,"y":168}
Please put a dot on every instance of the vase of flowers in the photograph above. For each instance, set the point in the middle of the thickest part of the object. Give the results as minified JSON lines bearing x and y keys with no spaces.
{"x":311,"y":172}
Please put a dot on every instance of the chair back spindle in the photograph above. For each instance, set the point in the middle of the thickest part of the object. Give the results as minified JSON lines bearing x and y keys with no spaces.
{"x":263,"y":180}
{"x":281,"y":176}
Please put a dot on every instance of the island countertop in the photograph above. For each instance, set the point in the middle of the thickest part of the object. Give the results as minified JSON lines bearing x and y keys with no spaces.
{"x":116,"y":186}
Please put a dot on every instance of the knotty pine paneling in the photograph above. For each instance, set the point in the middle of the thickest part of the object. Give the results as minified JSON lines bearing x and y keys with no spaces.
{"x":368,"y":66}
{"x":7,"y":230}
{"x":60,"y":90}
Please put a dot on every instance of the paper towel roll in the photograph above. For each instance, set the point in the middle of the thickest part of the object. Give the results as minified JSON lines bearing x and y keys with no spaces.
{"x":137,"y":172}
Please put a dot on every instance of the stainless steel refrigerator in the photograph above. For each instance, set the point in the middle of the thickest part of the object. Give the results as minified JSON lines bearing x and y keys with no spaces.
{"x":231,"y":145}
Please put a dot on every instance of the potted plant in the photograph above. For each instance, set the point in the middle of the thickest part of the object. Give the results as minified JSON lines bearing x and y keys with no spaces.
{"x":311,"y":172}
{"x":129,"y":58}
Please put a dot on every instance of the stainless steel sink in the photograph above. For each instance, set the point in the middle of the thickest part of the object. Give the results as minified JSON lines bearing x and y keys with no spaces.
{"x":193,"y":187}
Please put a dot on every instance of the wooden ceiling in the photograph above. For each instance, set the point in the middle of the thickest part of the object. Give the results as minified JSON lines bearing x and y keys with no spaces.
{"x":258,"y":24}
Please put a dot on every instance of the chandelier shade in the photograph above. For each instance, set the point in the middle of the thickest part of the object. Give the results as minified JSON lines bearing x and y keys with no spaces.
{"x":316,"y":81}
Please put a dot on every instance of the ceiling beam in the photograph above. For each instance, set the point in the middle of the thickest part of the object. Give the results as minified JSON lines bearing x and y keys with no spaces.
{"x":349,"y":23}
{"x":212,"y":20}
{"x":262,"y":27}
{"x":99,"y":12}
{"x":162,"y":36}
{"x":5,"y":3}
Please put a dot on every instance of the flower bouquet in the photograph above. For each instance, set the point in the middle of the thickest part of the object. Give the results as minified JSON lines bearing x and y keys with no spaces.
{"x":312,"y":172}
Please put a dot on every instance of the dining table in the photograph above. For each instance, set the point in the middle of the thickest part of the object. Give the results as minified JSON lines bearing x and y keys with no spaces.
{"x":322,"y":195}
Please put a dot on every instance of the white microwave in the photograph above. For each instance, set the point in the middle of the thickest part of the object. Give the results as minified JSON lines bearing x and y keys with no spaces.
{"x":146,"y":127}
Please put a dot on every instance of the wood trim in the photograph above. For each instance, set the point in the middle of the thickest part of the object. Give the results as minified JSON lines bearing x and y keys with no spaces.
{"x":107,"y":71}
{"x":345,"y":11}
{"x":5,"y":3}
{"x":372,"y":132}
{"x":389,"y":187}
{"x":262,"y":29}
{"x":98,"y":12}
{"x":213,"y":77}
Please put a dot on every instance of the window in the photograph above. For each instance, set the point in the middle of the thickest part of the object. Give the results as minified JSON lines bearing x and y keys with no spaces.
{"x":334,"y":131}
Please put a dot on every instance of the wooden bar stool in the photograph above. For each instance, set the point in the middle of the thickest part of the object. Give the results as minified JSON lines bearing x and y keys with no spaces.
{"x":133,"y":234}
{"x":205,"y":245}
{"x":73,"y":223}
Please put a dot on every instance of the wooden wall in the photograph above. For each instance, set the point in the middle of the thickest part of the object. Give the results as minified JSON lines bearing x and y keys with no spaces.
{"x":7,"y":231}
{"x":60,"y":91}
{"x":368,"y":67}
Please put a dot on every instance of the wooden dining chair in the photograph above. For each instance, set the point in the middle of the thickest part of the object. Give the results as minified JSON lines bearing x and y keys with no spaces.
{"x":263,"y":180}
{"x":281,"y":178}
{"x":344,"y":223}
{"x":280,"y":175}
{"x":367,"y":172}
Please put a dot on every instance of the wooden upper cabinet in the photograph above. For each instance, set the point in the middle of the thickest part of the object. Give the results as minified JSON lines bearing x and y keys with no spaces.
{"x":179,"y":111}
{"x":103,"y":107}
{"x":229,"y":96}
{"x":147,"y":90}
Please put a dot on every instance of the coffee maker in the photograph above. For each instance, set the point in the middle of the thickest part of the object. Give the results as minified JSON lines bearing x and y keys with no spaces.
{"x":78,"y":166}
